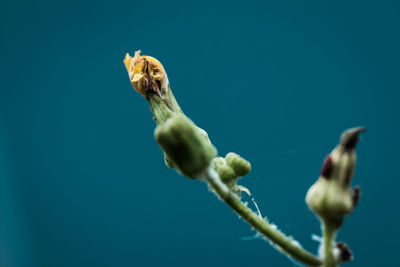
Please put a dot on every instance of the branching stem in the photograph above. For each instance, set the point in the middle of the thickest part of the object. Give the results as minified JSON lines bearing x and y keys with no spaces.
{"x":188,"y":149}
{"x":262,"y":226}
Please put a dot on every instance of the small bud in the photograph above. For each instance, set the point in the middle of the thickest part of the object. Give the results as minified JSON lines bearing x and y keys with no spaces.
{"x":227,"y":174}
{"x":238,"y":164}
{"x":331,"y":197}
{"x":218,"y":163}
{"x":344,"y":251}
{"x":184,"y":145}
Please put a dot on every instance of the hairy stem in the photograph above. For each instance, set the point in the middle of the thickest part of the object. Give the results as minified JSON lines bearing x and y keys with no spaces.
{"x":283,"y":242}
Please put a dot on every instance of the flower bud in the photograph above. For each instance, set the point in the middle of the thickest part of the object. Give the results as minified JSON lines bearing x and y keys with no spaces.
{"x":238,"y":164}
{"x":218,"y":163}
{"x":227,"y":174}
{"x":345,"y":253}
{"x":331,"y":197}
{"x":185,"y":145}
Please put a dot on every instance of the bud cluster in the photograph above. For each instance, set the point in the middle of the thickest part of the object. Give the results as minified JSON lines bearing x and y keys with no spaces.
{"x":231,"y":168}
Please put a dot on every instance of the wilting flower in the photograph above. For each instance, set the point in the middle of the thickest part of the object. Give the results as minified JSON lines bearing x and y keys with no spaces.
{"x":147,"y":75}
{"x":186,"y":147}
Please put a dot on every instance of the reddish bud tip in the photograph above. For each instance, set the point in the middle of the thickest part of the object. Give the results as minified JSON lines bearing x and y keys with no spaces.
{"x":356,"y":196}
{"x":327,"y":167}
{"x":345,"y":252}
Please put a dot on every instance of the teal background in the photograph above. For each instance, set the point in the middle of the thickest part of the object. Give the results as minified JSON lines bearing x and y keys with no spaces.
{"x":83,"y":181}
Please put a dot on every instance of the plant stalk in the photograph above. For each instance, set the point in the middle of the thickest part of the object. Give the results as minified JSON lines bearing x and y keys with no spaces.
{"x":329,"y":235}
{"x":270,"y":232}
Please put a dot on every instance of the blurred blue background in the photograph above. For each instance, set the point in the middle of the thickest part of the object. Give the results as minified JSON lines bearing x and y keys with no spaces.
{"x":83,"y":182}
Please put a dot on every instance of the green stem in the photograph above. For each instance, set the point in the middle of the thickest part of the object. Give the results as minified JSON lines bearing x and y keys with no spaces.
{"x":329,"y":234}
{"x":270,"y":232}
{"x":163,"y":108}
{"x":160,"y":108}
